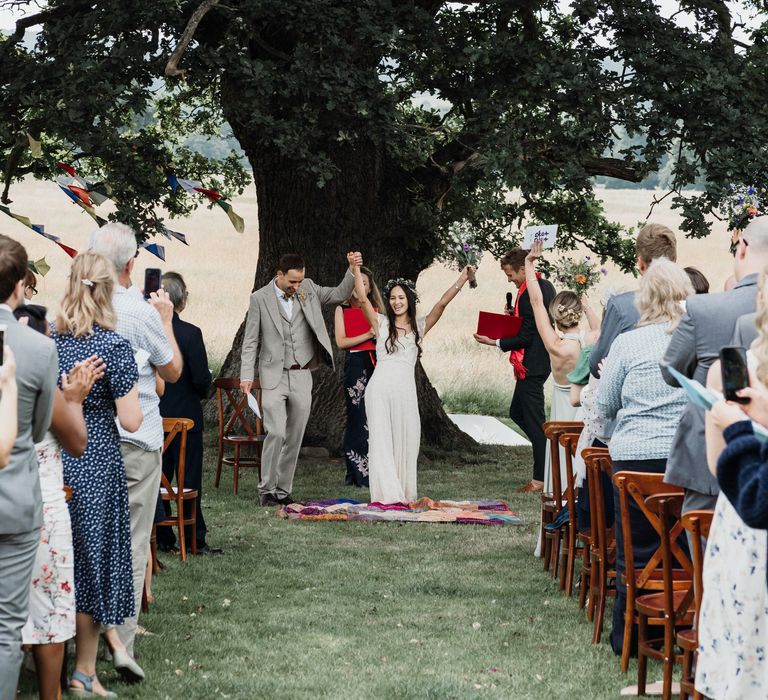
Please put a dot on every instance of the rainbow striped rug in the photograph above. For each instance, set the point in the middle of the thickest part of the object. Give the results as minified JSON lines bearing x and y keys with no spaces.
{"x":424,"y":510}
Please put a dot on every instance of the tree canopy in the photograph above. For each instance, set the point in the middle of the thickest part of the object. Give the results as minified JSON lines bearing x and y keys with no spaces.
{"x":489,"y":113}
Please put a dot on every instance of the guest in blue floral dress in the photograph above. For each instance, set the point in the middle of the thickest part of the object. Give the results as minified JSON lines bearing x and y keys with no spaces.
{"x":358,"y":369}
{"x":99,"y":509}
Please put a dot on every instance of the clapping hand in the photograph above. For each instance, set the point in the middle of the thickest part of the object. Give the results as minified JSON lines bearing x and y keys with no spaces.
{"x":78,"y":383}
{"x":8,"y":369}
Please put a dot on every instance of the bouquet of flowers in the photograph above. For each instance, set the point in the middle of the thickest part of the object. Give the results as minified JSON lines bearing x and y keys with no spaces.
{"x":743,"y":204}
{"x":461,"y":249}
{"x":578,"y":275}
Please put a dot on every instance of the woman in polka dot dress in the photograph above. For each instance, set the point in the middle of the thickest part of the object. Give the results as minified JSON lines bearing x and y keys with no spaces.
{"x":99,"y":509}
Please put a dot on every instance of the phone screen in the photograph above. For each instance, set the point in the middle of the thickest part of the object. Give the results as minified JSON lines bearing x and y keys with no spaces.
{"x":2,"y":341}
{"x":735,"y":374}
{"x":151,"y":281}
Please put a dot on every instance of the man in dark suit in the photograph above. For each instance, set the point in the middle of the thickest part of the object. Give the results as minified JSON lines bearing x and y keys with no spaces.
{"x":183,"y":400}
{"x":707,"y":325}
{"x":532,"y":370}
{"x":37,"y":368}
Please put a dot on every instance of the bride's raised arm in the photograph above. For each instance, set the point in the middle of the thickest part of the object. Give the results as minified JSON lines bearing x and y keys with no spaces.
{"x":365,"y":304}
{"x":448,"y":296}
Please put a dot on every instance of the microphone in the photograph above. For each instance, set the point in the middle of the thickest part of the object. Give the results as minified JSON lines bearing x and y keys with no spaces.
{"x":509,"y":300}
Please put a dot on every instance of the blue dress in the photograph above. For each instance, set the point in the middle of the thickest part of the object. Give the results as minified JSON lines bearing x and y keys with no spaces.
{"x":101,"y":526}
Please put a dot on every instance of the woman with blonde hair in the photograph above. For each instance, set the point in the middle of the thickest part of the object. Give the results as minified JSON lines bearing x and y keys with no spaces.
{"x":646,"y":409}
{"x":99,"y":508}
{"x":358,"y":368}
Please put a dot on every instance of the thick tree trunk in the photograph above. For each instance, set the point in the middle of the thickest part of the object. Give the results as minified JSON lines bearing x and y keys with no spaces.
{"x":365,"y":207}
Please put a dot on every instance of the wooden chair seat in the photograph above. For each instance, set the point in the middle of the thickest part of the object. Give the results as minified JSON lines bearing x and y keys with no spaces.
{"x":687,"y":640}
{"x":239,"y":428}
{"x":652,"y":605}
{"x":168,"y":496}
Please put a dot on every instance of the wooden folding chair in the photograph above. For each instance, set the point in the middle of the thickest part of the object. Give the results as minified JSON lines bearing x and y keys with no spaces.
{"x":242,"y":429}
{"x":638,"y":486}
{"x":602,"y":553}
{"x":698,"y":524}
{"x":552,"y":502}
{"x":572,"y":543}
{"x":173,"y":427}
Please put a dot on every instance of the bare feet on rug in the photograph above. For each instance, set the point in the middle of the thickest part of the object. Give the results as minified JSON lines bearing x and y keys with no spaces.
{"x":533,"y":486}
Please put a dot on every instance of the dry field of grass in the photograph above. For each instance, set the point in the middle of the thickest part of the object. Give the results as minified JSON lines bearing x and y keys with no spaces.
{"x":219,"y":265}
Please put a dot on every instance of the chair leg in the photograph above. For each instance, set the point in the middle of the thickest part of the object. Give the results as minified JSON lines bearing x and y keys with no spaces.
{"x":182,"y":534}
{"x":669,"y":660}
{"x":554,"y":561}
{"x":629,"y":615}
{"x":584,"y":577}
{"x":685,"y":675}
{"x":153,"y":551}
{"x":194,"y":526}
{"x":593,"y":575}
{"x":642,"y":659}
{"x":236,"y":468}
{"x":218,"y":465}
{"x":602,"y":590}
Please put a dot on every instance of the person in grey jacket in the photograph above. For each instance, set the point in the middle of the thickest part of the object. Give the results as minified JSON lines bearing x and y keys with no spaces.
{"x":37,"y":368}
{"x":707,"y":325}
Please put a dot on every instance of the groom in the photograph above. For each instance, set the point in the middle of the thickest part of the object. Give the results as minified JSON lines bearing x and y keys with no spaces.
{"x":286,"y":332}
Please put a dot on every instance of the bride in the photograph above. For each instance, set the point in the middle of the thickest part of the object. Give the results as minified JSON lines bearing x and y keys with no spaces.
{"x":390,"y":399}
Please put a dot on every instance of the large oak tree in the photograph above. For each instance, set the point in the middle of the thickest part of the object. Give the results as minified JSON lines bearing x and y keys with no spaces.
{"x":375,"y":124}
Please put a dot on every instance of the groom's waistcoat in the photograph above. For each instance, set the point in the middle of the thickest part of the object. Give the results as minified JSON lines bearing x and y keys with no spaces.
{"x":298,"y":338}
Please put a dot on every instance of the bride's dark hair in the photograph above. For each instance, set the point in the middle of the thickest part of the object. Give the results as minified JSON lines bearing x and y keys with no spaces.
{"x":391,"y":342}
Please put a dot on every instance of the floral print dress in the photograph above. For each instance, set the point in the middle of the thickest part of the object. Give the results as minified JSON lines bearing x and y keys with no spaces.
{"x":733,"y":630}
{"x":52,"y":594}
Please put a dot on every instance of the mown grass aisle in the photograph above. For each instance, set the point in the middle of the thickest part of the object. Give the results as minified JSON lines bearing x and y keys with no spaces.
{"x":370,"y":610}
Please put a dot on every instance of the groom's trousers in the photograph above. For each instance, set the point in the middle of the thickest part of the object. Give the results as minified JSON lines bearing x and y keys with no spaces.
{"x":527,"y":410}
{"x":286,"y":412}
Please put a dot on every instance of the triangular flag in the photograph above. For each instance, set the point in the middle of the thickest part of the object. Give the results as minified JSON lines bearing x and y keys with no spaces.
{"x":82,"y":194}
{"x":213,"y":195}
{"x":35,"y":146}
{"x":173,"y":182}
{"x":69,"y":251}
{"x":179,"y":236}
{"x":164,"y":232}
{"x":39,"y":228}
{"x":40,"y":267}
{"x":237,"y":221}
{"x":23,"y":219}
{"x":67,"y":168}
{"x":156,"y":249}
{"x":69,"y":193}
{"x":189,"y":185}
{"x":100,"y":192}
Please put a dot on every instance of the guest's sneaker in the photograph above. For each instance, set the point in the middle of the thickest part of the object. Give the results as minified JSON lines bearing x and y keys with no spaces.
{"x":268,"y":499}
{"x":205,"y":550}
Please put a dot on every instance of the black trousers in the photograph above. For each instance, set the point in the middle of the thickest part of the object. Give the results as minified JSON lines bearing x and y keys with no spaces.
{"x":527,"y":410}
{"x":193,"y":479}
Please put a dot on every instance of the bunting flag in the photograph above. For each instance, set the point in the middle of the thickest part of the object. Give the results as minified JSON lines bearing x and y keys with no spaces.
{"x":179,"y":237}
{"x":191,"y":186}
{"x":69,"y":251}
{"x":155,"y":249}
{"x":35,"y":146}
{"x":88,"y":208}
{"x":237,"y":221}
{"x":39,"y":267}
{"x":37,"y":228}
{"x":82,"y":194}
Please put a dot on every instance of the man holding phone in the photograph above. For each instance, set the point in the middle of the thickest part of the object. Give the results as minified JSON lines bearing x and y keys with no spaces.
{"x":708,"y":325}
{"x":148,"y":326}
{"x":37,"y":368}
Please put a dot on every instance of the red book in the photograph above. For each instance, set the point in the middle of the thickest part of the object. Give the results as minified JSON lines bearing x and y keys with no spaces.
{"x":355,"y":323}
{"x":495,"y":326}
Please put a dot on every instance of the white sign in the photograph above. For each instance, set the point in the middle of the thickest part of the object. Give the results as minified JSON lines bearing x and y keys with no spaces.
{"x":545,"y":234}
{"x":253,"y":404}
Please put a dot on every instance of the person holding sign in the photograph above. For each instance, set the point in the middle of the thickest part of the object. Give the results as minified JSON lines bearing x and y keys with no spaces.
{"x":355,"y":335}
{"x":391,"y":402}
{"x":529,"y":359}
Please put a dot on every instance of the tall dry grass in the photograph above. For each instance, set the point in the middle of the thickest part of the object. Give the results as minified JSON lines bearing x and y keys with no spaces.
{"x":219,"y":265}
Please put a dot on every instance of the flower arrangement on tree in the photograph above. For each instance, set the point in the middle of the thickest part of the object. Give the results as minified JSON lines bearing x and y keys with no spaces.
{"x":461,"y":249}
{"x":744,"y":203}
{"x":578,"y":275}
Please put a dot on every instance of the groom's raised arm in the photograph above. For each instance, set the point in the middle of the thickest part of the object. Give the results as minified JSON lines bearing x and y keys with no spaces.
{"x":342,"y":292}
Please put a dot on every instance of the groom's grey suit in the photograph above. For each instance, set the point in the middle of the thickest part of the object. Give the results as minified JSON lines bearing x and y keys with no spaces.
{"x":286,"y":348}
{"x":37,"y":368}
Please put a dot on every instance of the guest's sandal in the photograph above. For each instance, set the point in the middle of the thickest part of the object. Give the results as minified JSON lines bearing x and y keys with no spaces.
{"x":87,"y":690}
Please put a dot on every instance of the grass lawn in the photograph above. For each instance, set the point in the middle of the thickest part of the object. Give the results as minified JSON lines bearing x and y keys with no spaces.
{"x":370,"y":610}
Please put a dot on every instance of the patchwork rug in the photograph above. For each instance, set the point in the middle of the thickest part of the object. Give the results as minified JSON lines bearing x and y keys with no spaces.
{"x":424,"y":510}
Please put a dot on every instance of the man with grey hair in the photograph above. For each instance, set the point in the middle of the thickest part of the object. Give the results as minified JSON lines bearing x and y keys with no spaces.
{"x":149,"y":330}
{"x":707,"y":325}
{"x":183,"y":400}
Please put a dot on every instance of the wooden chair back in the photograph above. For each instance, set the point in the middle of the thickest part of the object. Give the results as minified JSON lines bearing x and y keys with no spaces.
{"x":568,"y":441}
{"x":698,"y":524}
{"x":552,"y":431}
{"x":173,"y":427}
{"x":235,"y":418}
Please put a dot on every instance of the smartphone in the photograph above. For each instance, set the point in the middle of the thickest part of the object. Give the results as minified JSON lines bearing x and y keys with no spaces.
{"x":735,"y":374}
{"x":2,"y":341}
{"x":151,"y":280}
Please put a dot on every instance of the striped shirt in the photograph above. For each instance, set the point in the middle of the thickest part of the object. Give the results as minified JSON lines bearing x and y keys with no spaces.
{"x":140,"y":324}
{"x":632,"y":390}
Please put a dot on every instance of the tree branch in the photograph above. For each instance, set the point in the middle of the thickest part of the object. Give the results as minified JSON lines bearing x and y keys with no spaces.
{"x":26,"y":22}
{"x":612,"y":167}
{"x":172,"y":69}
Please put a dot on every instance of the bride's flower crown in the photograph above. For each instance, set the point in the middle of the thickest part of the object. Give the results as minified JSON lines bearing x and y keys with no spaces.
{"x":400,"y":282}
